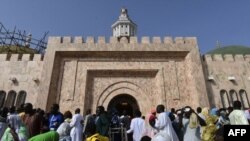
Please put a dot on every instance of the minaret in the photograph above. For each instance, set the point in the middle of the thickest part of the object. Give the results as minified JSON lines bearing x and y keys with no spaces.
{"x":124,"y":26}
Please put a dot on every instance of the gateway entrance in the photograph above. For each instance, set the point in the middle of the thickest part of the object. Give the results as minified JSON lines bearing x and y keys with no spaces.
{"x":123,"y":102}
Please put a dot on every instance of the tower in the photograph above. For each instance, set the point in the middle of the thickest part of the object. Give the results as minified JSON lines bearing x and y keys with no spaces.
{"x":124,"y":26}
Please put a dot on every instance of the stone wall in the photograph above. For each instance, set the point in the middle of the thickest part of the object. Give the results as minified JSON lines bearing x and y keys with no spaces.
{"x":21,"y":73}
{"x":83,"y":73}
{"x":228,"y":74}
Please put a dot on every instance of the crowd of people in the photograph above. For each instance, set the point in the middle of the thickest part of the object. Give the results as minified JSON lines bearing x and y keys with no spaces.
{"x":185,"y":124}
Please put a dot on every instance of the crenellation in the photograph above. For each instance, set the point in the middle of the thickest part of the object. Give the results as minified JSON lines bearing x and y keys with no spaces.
{"x":157,"y":40}
{"x":113,"y":40}
{"x":208,"y":57}
{"x":101,"y":40}
{"x":217,"y":57}
{"x":25,"y":57}
{"x":55,"y":40}
{"x":145,"y":40}
{"x":133,"y":40}
{"x":179,"y":40}
{"x":3,"y":57}
{"x":90,"y":40}
{"x":37,"y":57}
{"x":239,"y":57}
{"x":67,"y":39}
{"x":190,"y":40}
{"x":228,"y":57}
{"x":78,"y":40}
{"x":168,"y":40}
{"x":14,"y":57}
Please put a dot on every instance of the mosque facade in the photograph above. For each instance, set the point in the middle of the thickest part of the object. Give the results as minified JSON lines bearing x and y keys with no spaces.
{"x":124,"y":73}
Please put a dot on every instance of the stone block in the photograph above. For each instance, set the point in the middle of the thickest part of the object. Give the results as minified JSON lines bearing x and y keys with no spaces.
{"x":239,"y":57}
{"x":78,"y":40}
{"x":37,"y":57}
{"x":14,"y":57}
{"x":67,"y":39}
{"x":26,"y":57}
{"x":55,"y":40}
{"x":101,"y":40}
{"x":133,"y":40}
{"x":168,"y":40}
{"x":217,"y":57}
{"x":157,"y":40}
{"x":90,"y":40}
{"x":179,"y":40}
{"x":229,"y":57}
{"x":113,"y":40}
{"x":3,"y":57}
{"x":190,"y":40}
{"x":145,"y":40}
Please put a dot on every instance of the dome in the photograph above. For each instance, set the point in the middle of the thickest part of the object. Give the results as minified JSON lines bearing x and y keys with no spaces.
{"x":233,"y":49}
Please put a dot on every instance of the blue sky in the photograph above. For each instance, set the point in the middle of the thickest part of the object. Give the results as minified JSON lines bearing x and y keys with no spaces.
{"x":226,"y":21}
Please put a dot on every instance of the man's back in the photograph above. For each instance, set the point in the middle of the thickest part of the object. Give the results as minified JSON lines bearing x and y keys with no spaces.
{"x":237,"y":117}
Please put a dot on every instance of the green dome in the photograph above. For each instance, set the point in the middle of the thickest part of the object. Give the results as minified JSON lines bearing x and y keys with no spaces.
{"x":234,"y":49}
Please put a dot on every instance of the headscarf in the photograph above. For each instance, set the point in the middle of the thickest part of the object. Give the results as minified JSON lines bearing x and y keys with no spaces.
{"x":205,"y":112}
{"x":193,"y":121}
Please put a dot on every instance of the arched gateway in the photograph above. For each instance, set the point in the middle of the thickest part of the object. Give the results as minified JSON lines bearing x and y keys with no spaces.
{"x":123,"y":102}
{"x":123,"y":95}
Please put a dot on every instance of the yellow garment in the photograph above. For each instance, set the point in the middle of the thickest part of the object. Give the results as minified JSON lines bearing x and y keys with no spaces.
{"x":97,"y":137}
{"x":208,"y":133}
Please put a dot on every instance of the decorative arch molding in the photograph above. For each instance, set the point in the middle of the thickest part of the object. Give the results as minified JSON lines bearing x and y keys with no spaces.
{"x":123,"y":87}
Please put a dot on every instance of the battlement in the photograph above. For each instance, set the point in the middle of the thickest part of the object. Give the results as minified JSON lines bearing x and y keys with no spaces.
{"x":131,"y":40}
{"x":21,"y":57}
{"x":226,"y":57}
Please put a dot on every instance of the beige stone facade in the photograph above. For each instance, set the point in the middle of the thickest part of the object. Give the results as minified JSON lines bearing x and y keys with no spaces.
{"x":140,"y":73}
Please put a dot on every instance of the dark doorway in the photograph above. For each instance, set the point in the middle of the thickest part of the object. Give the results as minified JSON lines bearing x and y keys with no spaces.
{"x":123,"y":102}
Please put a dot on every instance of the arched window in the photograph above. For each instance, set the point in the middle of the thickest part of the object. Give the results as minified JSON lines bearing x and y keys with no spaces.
{"x":2,"y":98}
{"x":244,"y":99}
{"x":10,"y":99}
{"x":224,"y":98}
{"x":233,"y":96}
{"x":20,"y":98}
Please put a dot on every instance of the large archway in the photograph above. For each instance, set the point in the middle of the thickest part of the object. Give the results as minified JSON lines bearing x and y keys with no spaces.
{"x":123,"y":102}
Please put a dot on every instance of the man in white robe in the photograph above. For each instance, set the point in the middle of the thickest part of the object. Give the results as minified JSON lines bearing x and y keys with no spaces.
{"x":76,"y":124}
{"x":137,"y":126}
{"x":237,"y":116}
{"x":164,"y":124}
